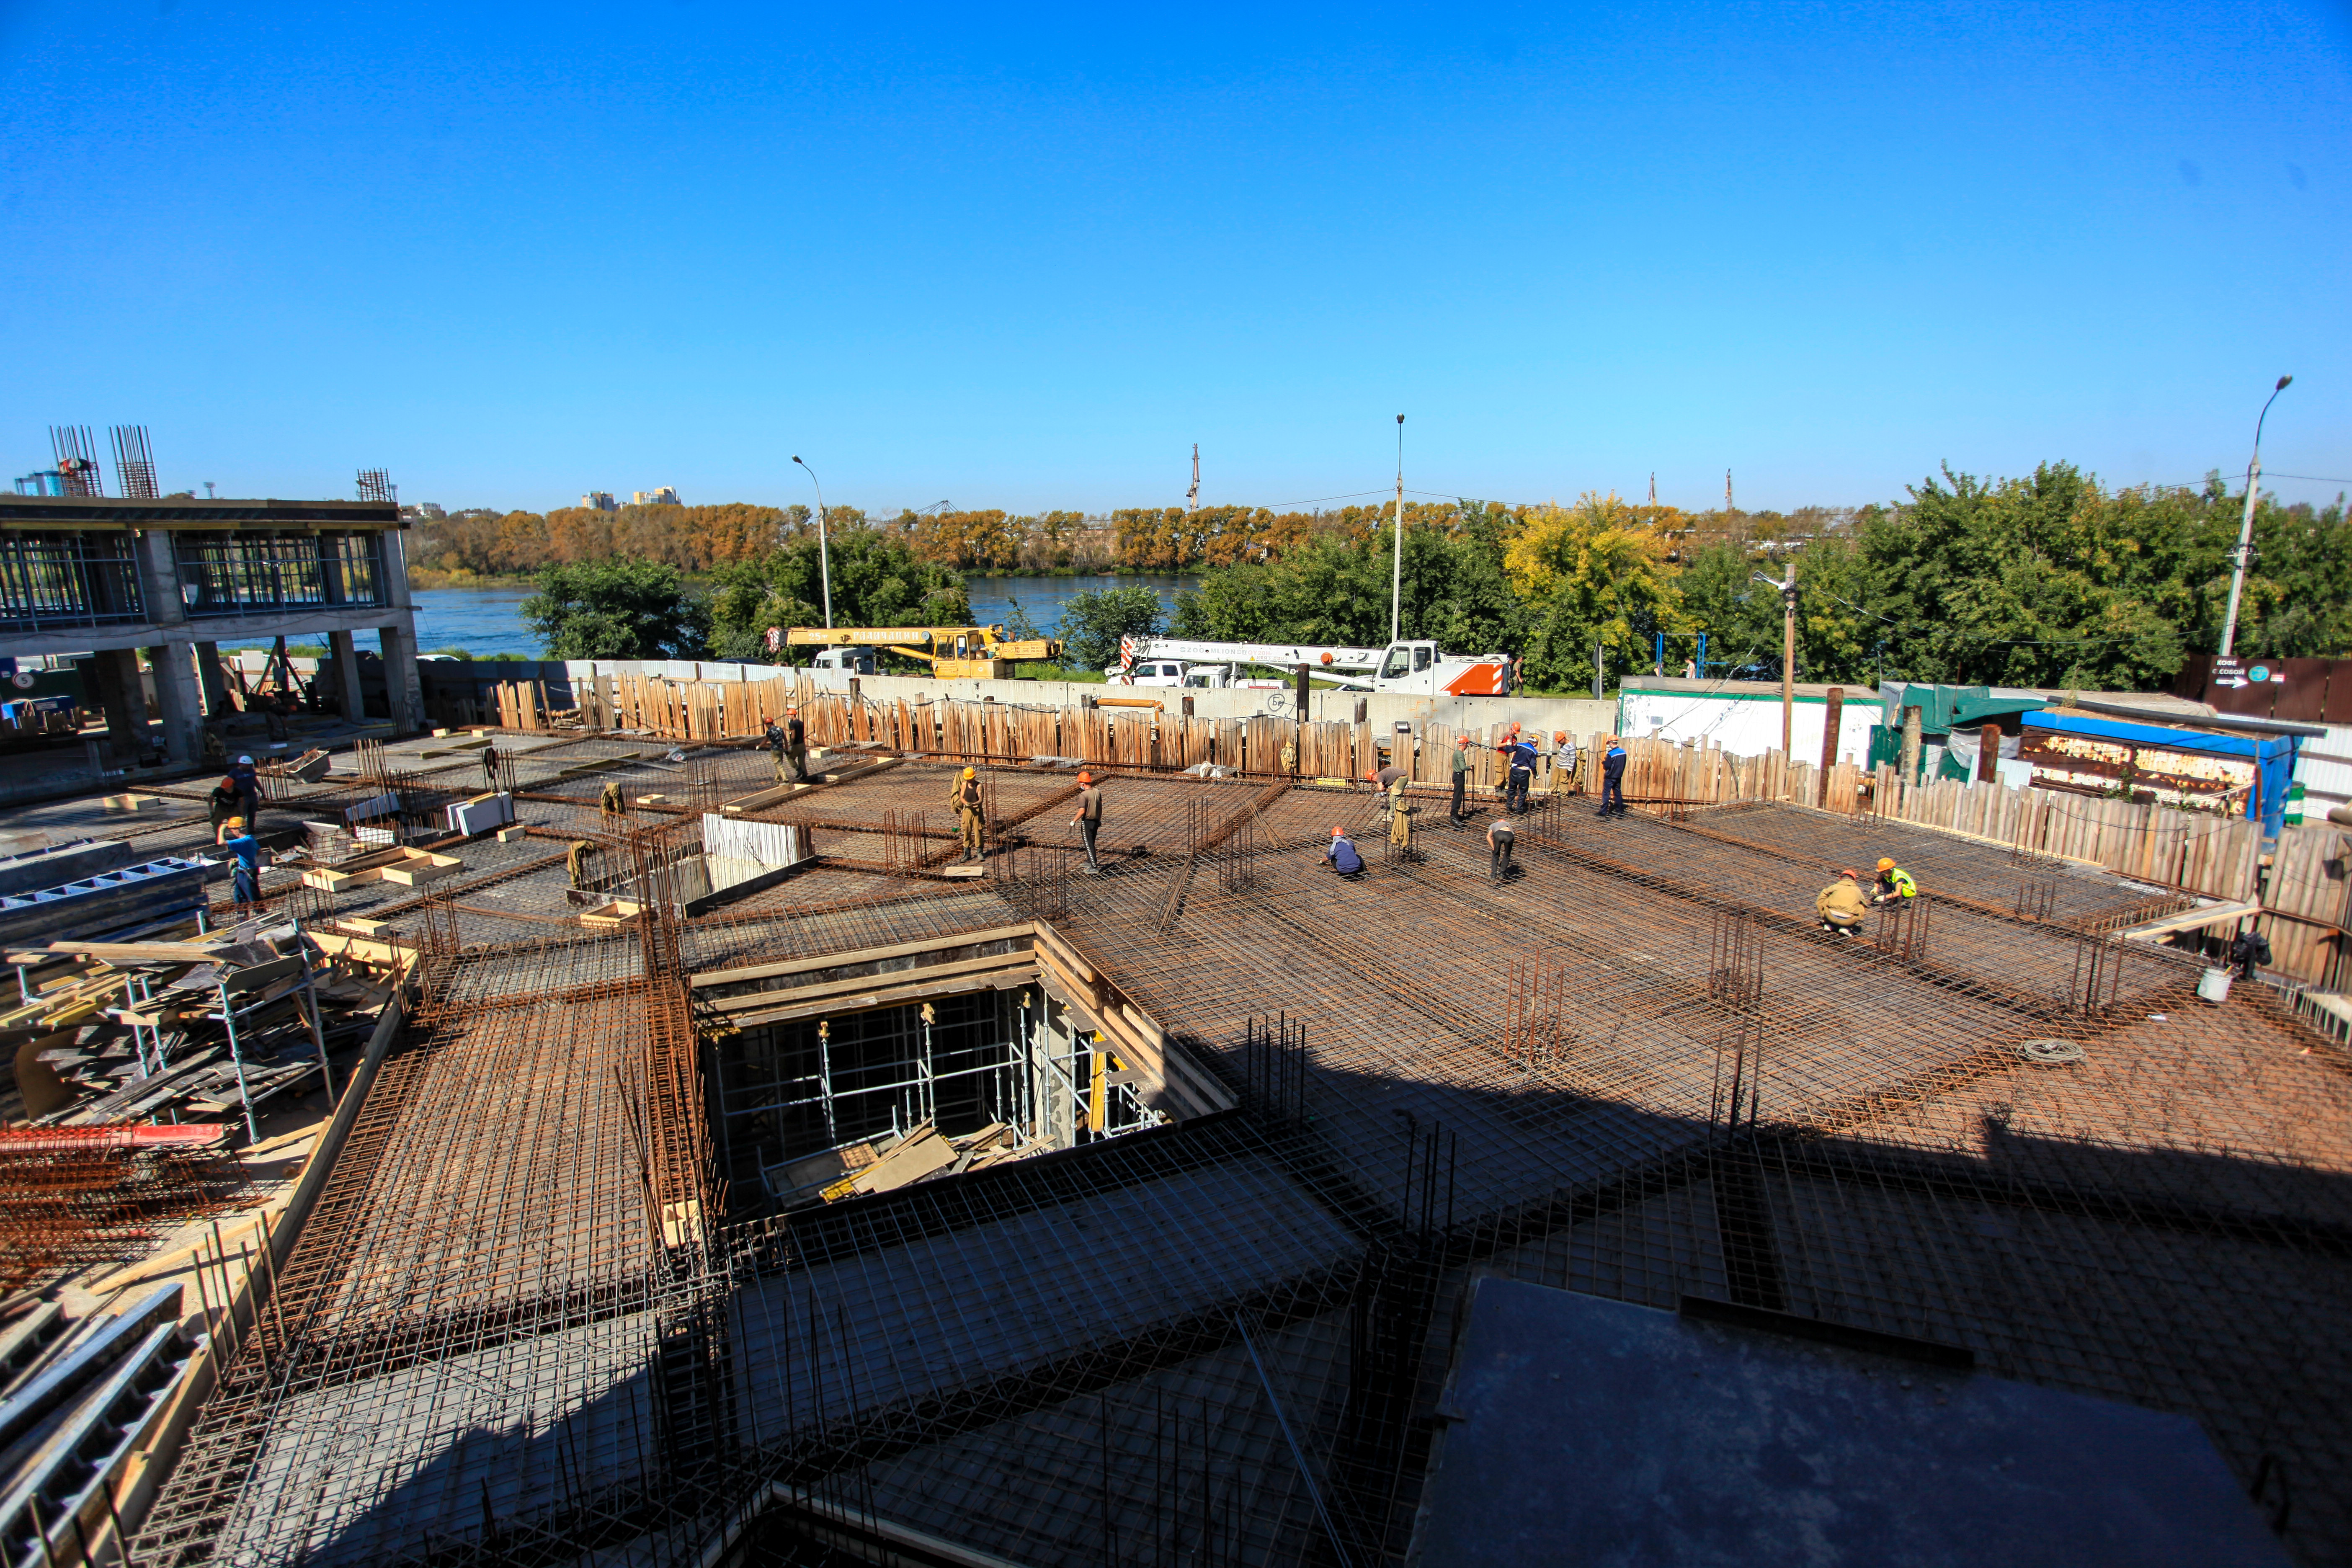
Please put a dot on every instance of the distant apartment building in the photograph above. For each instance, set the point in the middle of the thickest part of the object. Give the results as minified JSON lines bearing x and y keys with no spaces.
{"x":600,"y":500}
{"x":424,"y":511}
{"x":662,"y":497}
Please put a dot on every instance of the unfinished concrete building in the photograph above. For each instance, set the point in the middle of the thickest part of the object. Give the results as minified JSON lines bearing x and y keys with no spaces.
{"x":178,"y":578}
{"x":881,"y":1213}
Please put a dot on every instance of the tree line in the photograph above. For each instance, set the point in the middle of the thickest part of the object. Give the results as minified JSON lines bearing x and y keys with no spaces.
{"x":2047,"y":580}
{"x":2050,"y":580}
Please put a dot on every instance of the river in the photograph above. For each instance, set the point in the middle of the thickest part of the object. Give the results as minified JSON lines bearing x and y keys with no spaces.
{"x":486,"y":622}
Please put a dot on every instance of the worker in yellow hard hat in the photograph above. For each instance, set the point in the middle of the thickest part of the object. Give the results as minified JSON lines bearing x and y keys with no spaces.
{"x":964,"y":795}
{"x":1894,"y":884}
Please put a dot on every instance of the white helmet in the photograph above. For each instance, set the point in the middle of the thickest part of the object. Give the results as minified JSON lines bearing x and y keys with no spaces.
{"x":248,"y":761}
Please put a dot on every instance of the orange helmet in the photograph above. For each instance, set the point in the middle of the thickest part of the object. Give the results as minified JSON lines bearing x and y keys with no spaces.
{"x":1560,"y":735}
{"x":1337,"y":833}
{"x":1886,"y":864}
{"x":971,"y":773}
{"x":1851,"y":875}
{"x":1086,"y":778}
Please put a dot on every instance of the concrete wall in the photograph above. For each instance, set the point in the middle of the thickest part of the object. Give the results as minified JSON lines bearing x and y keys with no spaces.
{"x":1747,"y":724}
{"x":1578,"y":715}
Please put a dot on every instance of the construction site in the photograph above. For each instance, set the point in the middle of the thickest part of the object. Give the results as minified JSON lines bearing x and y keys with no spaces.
{"x":729,"y":1170}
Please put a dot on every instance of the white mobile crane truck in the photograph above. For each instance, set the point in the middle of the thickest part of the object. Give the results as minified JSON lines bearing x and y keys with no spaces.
{"x":1409,"y":667}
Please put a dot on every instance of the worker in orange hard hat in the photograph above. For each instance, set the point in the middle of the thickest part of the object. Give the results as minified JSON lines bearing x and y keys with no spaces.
{"x":1088,"y":821}
{"x":1894,"y":884}
{"x":1342,"y":857}
{"x":964,"y":795}
{"x":1564,"y":761}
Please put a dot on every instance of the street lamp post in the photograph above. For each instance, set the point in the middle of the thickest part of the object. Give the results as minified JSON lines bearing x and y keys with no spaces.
{"x":824,"y":560}
{"x":1396,"y":565}
{"x":2246,"y":523}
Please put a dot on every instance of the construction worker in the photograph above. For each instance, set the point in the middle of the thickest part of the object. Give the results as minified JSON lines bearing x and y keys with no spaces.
{"x":1894,"y":884}
{"x":1400,"y":814}
{"x":1290,"y":757}
{"x":489,"y":767}
{"x":1841,"y":904}
{"x":1612,"y":779}
{"x":772,"y":738}
{"x":576,"y":861}
{"x":796,"y":744}
{"x":1563,"y":763}
{"x":1088,"y":821}
{"x":249,"y":788}
{"x":1519,"y":753}
{"x":1461,"y":779}
{"x":1501,"y":839}
{"x":611,"y":803}
{"x":245,"y":876}
{"x":964,"y":795}
{"x":222,"y":803}
{"x":1341,"y":857}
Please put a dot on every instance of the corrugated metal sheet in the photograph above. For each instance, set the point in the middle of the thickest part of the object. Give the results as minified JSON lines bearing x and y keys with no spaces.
{"x":2324,"y":768}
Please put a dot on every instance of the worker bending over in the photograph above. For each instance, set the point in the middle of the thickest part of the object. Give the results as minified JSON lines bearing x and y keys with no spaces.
{"x":1894,"y":884}
{"x":1400,"y":814}
{"x":964,"y":795}
{"x":1841,"y":904}
{"x":576,"y":861}
{"x":611,"y":803}
{"x":1342,"y":857}
{"x":1500,"y":841}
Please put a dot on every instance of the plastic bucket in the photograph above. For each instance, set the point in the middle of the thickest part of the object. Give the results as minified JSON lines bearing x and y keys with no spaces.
{"x":2214,"y":986}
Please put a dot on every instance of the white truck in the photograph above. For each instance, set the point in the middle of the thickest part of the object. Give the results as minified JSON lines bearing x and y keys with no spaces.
{"x":1412,"y":667}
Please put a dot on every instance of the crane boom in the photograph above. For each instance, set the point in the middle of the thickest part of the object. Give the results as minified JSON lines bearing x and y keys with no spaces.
{"x":1281,"y":656}
{"x":954,"y":653}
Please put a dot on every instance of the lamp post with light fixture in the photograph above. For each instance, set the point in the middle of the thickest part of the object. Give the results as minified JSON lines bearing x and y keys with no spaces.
{"x":2245,"y":550}
{"x":824,"y":560}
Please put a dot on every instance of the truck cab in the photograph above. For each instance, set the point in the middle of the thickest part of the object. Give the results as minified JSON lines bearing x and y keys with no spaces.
{"x":856,"y":660}
{"x":1148,"y":672}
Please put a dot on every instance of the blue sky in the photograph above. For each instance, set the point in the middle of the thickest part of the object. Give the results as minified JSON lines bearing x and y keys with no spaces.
{"x":1027,"y":259}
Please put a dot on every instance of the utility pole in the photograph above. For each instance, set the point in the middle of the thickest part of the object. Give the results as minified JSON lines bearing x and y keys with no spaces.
{"x":1396,"y":567}
{"x":1193,"y":496}
{"x":2245,"y":550}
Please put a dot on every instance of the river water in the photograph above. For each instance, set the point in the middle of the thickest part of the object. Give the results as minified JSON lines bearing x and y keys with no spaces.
{"x":486,"y":622}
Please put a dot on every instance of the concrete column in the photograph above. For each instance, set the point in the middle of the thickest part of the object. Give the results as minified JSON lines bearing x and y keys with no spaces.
{"x":179,"y":696}
{"x":345,"y":655}
{"x":212,"y":680}
{"x":402,"y":685}
{"x":159,"y":578}
{"x":114,"y":682}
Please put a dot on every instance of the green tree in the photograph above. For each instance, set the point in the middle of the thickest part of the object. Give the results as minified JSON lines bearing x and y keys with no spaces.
{"x":1093,"y":622}
{"x":1592,"y":574}
{"x":616,"y":608}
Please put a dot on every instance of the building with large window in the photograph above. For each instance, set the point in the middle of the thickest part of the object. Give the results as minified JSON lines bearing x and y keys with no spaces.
{"x":178,"y":578}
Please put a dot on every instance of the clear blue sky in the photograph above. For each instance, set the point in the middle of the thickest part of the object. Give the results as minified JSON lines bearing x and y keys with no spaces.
{"x":1025,"y":259}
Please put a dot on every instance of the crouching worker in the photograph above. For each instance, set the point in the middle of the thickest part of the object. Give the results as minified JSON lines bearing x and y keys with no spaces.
{"x":1342,"y":857}
{"x":1841,"y":904}
{"x":1894,"y":884}
{"x":1500,"y":842}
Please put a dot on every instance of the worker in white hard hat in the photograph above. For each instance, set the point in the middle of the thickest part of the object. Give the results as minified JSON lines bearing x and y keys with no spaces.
{"x":964,"y":795}
{"x":248,"y":787}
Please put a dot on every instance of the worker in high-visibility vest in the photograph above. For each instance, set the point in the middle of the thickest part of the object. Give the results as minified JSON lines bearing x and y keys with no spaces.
{"x":1894,"y":884}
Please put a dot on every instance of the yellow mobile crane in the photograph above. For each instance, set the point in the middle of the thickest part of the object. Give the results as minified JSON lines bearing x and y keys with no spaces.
{"x":954,"y":653}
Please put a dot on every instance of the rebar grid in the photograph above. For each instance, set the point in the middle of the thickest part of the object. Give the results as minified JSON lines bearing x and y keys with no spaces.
{"x":1997,"y":1138}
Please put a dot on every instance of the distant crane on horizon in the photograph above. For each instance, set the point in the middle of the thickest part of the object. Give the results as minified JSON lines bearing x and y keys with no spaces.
{"x":1193,"y":496}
